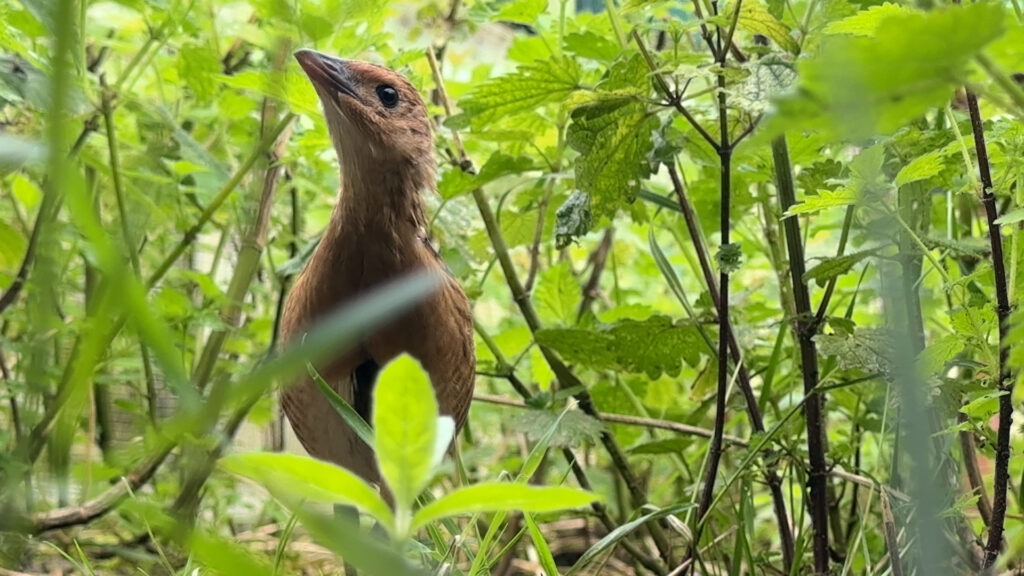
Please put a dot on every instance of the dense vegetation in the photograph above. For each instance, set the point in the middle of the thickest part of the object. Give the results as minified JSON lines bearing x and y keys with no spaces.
{"x":744,"y":279}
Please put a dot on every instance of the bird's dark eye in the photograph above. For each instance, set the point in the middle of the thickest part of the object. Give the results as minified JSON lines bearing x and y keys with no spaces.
{"x":388,"y":95}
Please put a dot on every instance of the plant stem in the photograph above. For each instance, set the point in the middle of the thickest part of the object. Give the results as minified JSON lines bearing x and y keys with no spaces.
{"x":565,"y":376}
{"x":1005,"y":383}
{"x":805,"y":328}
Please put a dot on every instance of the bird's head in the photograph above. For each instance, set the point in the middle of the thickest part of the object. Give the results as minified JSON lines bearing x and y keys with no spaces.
{"x":374,"y":115}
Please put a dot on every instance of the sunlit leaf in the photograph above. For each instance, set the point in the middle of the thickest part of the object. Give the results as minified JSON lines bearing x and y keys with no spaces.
{"x":503,"y":497}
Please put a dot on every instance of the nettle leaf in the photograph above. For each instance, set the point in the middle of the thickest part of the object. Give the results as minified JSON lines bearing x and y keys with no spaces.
{"x":865,"y":23}
{"x":922,"y":168}
{"x":199,"y":65}
{"x":525,"y":90}
{"x":573,"y":428}
{"x":522,"y":11}
{"x":557,"y":296}
{"x":573,"y":219}
{"x":934,"y":358}
{"x":755,"y":18}
{"x":614,"y":136}
{"x":768,"y":77}
{"x":866,"y":349}
{"x":830,"y":268}
{"x":589,"y":44}
{"x":653,"y":346}
{"x":863,"y":86}
{"x":1011,"y":217}
{"x":822,"y":200}
{"x":456,"y":182}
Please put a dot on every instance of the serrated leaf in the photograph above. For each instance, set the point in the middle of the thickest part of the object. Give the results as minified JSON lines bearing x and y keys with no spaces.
{"x":522,"y":11}
{"x":405,"y":421}
{"x":558,"y":294}
{"x":653,"y":347}
{"x":865,"y":23}
{"x":456,"y":182}
{"x":198,"y":65}
{"x":1012,"y":217}
{"x":614,"y":136}
{"x":866,"y":349}
{"x":573,"y":429}
{"x":921,"y":168}
{"x":984,"y":405}
{"x":860,"y":86}
{"x":824,"y":199}
{"x":756,"y":19}
{"x":502,"y":497}
{"x":525,"y":90}
{"x":939,"y":353}
{"x":588,"y":44}
{"x":830,"y":268}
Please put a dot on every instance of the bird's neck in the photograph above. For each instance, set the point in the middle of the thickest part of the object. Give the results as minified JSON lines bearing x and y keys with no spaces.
{"x":382,"y":203}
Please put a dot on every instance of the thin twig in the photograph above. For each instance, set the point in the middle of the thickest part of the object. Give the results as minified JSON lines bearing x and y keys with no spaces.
{"x":597,"y":262}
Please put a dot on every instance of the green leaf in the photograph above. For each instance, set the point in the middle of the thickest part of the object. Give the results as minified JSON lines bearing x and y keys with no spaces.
{"x":525,"y":90}
{"x":1012,"y":217}
{"x":615,"y":536}
{"x":939,"y":353}
{"x":830,"y":268}
{"x":12,"y":247}
{"x":405,"y":420}
{"x":572,"y":429}
{"x":866,"y":349}
{"x":824,"y":199}
{"x":292,"y":477}
{"x":860,"y":86}
{"x":866,"y":22}
{"x":588,"y":44}
{"x":343,"y":537}
{"x":456,"y":182}
{"x":614,"y":136}
{"x":221,"y":556}
{"x":343,"y":408}
{"x":199,"y":66}
{"x":983,"y":406}
{"x":756,"y":19}
{"x":522,"y":11}
{"x":557,"y":295}
{"x":502,"y":497}
{"x":540,"y":544}
{"x":921,"y":168}
{"x":653,"y":346}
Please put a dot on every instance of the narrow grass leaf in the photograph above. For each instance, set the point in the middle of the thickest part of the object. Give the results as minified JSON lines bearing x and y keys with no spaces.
{"x":547,"y":560}
{"x":343,"y":408}
{"x":615,"y":536}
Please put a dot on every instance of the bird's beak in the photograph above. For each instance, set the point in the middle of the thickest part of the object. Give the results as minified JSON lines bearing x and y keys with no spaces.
{"x":326,"y":72}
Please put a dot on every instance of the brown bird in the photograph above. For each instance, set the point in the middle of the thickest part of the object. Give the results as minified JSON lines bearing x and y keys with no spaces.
{"x":377,"y":232}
